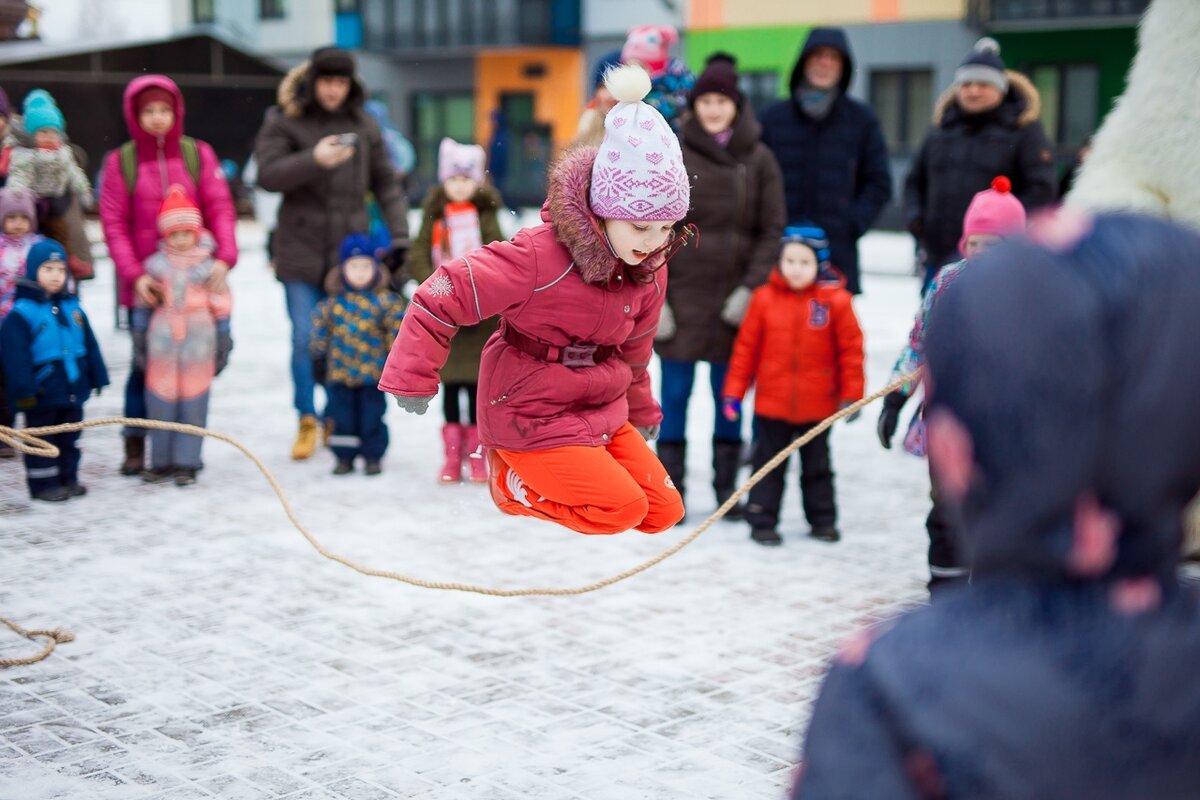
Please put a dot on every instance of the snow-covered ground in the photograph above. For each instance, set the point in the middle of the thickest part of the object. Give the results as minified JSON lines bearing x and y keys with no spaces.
{"x":219,"y":655}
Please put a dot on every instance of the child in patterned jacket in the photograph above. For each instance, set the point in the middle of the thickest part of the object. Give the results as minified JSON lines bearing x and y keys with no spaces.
{"x":184,"y":342}
{"x":993,"y":215}
{"x":18,"y":233}
{"x":49,"y":169}
{"x":352,"y":336}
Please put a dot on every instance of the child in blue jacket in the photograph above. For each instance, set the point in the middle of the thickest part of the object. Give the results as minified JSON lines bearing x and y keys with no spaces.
{"x":52,"y":364}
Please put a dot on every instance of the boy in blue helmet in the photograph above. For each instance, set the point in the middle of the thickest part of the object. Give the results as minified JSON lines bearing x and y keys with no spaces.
{"x":52,"y":364}
{"x":352,"y":335}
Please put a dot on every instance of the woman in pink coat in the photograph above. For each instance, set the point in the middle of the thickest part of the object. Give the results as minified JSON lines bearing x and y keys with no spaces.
{"x":563,"y":387}
{"x":161,"y":157}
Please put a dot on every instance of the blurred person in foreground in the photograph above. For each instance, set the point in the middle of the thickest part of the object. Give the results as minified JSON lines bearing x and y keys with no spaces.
{"x":1062,"y":424}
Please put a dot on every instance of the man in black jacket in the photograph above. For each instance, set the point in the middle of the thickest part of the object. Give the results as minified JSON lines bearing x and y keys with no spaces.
{"x":985,"y":125}
{"x":830,"y":148}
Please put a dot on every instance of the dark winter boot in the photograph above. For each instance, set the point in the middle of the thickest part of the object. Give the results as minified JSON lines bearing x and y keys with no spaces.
{"x":135,"y":455}
{"x":767,"y":537}
{"x":673,"y":456}
{"x":726,"y":458}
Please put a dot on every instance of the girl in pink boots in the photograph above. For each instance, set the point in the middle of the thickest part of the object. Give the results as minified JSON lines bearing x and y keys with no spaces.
{"x":459,"y":216}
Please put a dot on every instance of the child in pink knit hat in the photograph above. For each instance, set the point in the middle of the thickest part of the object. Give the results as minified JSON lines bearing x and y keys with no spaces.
{"x":565,"y":405}
{"x":459,"y":214}
{"x":993,"y":215}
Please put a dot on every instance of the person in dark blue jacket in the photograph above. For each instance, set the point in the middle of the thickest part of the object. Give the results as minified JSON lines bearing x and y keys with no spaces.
{"x":830,"y":148}
{"x":1062,"y":420}
{"x":52,"y":364}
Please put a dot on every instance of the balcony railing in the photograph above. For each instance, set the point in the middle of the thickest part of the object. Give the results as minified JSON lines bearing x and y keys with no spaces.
{"x":989,"y":13}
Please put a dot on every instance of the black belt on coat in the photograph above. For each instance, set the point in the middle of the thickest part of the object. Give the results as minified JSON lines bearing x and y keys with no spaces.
{"x":574,"y":355}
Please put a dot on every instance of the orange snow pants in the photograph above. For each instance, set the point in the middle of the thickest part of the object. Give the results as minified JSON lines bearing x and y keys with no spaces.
{"x":594,"y":490}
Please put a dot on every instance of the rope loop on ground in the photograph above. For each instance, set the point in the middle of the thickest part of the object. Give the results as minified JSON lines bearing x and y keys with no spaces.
{"x":54,"y":637}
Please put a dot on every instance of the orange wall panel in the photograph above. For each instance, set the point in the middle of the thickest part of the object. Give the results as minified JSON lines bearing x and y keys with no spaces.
{"x":557,"y":91}
{"x":706,"y":14}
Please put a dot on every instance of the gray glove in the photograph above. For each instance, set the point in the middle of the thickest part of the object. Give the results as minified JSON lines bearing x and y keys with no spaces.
{"x":414,"y":405}
{"x":734,"y":310}
{"x":224,"y":345}
{"x":648,"y":432}
{"x":666,"y":324}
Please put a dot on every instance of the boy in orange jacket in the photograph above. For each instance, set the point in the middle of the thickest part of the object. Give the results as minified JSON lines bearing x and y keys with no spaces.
{"x":801,"y":344}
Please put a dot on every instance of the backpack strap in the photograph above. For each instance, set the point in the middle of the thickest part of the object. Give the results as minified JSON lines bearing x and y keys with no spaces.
{"x":187,"y":148}
{"x":129,"y":164}
{"x":191,"y":158}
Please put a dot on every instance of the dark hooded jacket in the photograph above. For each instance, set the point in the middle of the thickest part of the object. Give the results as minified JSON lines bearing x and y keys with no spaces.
{"x":961,"y":155}
{"x":1067,"y":667}
{"x":320,"y":207}
{"x":835,"y":170}
{"x":737,"y":203}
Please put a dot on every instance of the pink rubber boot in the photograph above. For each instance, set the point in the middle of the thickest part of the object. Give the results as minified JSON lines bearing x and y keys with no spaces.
{"x":475,"y":455}
{"x":452,"y":438}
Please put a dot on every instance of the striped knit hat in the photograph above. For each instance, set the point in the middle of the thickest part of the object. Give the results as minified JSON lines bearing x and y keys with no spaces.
{"x":178,"y":213}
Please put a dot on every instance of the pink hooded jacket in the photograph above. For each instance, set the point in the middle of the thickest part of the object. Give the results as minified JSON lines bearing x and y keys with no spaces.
{"x":130,"y":219}
{"x":558,"y":283}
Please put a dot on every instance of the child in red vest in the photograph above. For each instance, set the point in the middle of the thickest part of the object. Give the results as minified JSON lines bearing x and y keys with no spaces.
{"x":460,"y":216}
{"x":801,"y":345}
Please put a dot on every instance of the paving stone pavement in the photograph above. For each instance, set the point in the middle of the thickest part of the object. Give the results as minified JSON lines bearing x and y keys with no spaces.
{"x":218,"y":655}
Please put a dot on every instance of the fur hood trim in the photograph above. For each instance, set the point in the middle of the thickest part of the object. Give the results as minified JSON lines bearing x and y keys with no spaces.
{"x":575,"y":226}
{"x":1020,"y":88}
{"x":294,"y":95}
{"x":486,"y":198}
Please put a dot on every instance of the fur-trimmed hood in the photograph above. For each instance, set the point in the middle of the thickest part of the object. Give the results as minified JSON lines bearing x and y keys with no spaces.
{"x":486,"y":198}
{"x":575,"y":226}
{"x":1021,"y":106}
{"x":295,"y":97}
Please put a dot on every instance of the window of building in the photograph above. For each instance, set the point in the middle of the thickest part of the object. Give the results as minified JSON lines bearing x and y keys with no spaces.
{"x":1070,"y":101}
{"x":436,"y":115}
{"x":903,"y":100}
{"x":203,"y":11}
{"x":271,"y":9}
{"x":760,"y":88}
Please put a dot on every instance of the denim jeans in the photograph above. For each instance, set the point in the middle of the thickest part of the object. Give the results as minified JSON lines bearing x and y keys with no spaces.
{"x":302,"y":299}
{"x":677,"y":380}
{"x":135,"y":385}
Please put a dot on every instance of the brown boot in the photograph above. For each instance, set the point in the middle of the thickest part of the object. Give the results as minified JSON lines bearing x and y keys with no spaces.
{"x":135,"y":455}
{"x":306,"y":439}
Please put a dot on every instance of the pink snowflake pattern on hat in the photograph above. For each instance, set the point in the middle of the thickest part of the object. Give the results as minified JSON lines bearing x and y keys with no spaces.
{"x":638,"y":174}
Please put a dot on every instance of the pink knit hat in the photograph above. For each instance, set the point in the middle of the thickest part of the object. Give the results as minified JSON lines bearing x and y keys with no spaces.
{"x":638,"y":174}
{"x":994,"y":211}
{"x":650,"y":45}
{"x":464,"y":160}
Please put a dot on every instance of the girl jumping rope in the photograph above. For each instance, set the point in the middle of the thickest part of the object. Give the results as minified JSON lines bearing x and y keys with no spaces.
{"x":565,"y":405}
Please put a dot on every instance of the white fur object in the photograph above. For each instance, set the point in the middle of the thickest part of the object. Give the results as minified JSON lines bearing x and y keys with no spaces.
{"x":1146,"y":156}
{"x":628,"y":83}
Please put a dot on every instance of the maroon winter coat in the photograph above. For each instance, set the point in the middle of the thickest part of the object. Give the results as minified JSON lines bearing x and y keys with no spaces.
{"x":558,"y":283}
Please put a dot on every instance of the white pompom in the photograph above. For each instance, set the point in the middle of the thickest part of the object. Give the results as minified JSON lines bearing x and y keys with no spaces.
{"x":628,"y":83}
{"x":987,"y":45}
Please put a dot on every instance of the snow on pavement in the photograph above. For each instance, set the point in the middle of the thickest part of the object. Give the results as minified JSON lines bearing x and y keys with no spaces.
{"x":218,"y":655}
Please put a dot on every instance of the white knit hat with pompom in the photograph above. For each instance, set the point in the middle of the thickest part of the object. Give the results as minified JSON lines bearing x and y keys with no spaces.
{"x":638,"y":174}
